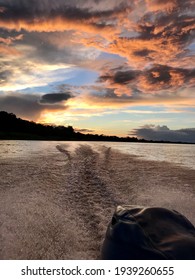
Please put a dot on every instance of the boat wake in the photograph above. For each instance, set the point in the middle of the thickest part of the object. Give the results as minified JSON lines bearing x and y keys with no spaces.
{"x":58,"y":206}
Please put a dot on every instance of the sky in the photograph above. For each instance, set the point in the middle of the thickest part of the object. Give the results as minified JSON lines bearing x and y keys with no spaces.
{"x":113,"y":67}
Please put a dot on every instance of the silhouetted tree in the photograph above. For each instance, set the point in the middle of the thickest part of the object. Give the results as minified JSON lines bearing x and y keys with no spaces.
{"x":12,"y":127}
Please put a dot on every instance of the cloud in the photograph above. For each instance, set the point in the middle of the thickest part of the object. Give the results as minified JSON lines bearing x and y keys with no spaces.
{"x":39,"y":60}
{"x":119,"y":77}
{"x":7,"y":50}
{"x":162,"y":35}
{"x":4,"y":75}
{"x":60,"y":17}
{"x":95,"y":98}
{"x":58,"y":48}
{"x":163,"y":29}
{"x":20,"y":73}
{"x":141,"y":49}
{"x":170,"y":5}
{"x":155,"y":80}
{"x":107,"y":98}
{"x":84,"y":130}
{"x":27,"y":105}
{"x":163,"y":133}
{"x":2,"y":9}
{"x":9,"y":40}
{"x":52,"y":98}
{"x":159,"y":5}
{"x":152,"y":80}
{"x":162,"y":77}
{"x":49,"y":32}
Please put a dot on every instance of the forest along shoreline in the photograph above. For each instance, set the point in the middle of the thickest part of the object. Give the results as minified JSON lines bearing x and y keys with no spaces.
{"x":13,"y":128}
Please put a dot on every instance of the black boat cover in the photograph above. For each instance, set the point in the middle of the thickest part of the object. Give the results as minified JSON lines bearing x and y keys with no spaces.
{"x":155,"y":233}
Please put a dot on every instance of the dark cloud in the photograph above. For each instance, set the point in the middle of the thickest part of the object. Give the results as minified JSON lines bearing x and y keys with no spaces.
{"x":52,"y":98}
{"x":33,"y":10}
{"x":163,"y":34}
{"x":119,"y":77}
{"x":4,"y":76}
{"x":176,"y":22}
{"x":26,"y":105}
{"x":164,"y":29}
{"x":156,"y":78}
{"x":105,"y":93}
{"x":81,"y":32}
{"x":163,"y":133}
{"x":84,"y":130}
{"x":143,"y":52}
{"x":162,"y":77}
{"x":55,"y":48}
{"x":124,"y":77}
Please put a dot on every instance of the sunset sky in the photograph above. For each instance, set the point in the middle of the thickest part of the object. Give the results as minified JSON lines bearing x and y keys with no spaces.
{"x":103,"y":66}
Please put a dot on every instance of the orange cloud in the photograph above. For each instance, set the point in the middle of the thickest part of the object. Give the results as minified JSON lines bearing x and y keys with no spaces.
{"x":6,"y":50}
{"x":49,"y":25}
{"x":159,"y":5}
{"x":60,"y":23}
{"x":165,"y":78}
{"x":141,"y":100}
{"x":152,"y":80}
{"x":140,"y":52}
{"x":152,"y":39}
{"x":159,"y":35}
{"x":5,"y":43}
{"x":162,"y":36}
{"x":186,"y":62}
{"x":143,"y":51}
{"x":10,"y":40}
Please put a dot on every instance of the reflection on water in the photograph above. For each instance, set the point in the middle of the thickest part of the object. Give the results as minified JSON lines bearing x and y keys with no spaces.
{"x":180,"y":154}
{"x":12,"y":149}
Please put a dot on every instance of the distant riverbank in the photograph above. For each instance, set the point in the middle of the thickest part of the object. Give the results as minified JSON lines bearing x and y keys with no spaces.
{"x":13,"y":128}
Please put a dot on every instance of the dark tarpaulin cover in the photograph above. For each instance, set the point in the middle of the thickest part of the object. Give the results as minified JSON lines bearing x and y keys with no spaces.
{"x":138,"y":233}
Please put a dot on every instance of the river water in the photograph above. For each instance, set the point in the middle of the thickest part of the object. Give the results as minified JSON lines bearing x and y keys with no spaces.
{"x":180,"y":154}
{"x":57,"y":198}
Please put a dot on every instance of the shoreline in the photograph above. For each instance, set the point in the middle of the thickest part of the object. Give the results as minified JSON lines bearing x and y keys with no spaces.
{"x":106,"y":141}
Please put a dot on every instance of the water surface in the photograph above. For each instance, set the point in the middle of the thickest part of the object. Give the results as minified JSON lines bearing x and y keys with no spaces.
{"x":180,"y":154}
{"x":56,"y":203}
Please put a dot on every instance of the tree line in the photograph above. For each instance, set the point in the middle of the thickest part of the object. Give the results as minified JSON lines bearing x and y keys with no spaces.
{"x":12,"y":127}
